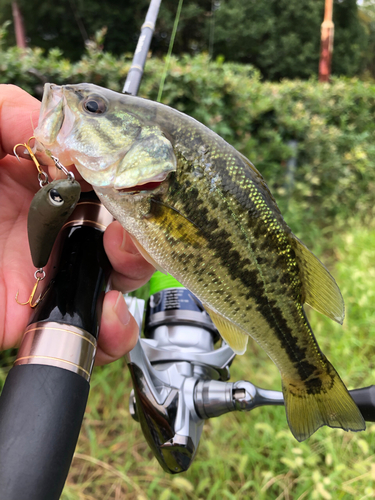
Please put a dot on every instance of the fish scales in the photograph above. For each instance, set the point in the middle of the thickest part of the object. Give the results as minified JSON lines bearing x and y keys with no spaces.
{"x":253,"y":278}
{"x":209,"y":219}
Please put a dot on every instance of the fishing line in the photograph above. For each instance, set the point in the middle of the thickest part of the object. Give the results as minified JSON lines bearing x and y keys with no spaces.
{"x":168,"y":58}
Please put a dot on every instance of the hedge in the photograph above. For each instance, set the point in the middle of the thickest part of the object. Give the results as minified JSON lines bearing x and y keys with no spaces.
{"x":328,"y":128}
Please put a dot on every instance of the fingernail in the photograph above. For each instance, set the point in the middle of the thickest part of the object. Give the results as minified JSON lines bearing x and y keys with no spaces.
{"x":128,"y":245}
{"x":121,"y":309}
{"x":123,"y":243}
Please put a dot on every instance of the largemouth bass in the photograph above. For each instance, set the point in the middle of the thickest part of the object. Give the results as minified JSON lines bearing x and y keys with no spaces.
{"x":199,"y":210}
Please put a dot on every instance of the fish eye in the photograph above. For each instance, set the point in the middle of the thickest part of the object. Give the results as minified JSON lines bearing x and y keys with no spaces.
{"x":95,"y":105}
{"x":55,"y":198}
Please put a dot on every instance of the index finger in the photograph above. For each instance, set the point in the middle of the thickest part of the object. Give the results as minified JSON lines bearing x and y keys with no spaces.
{"x":19,"y":113}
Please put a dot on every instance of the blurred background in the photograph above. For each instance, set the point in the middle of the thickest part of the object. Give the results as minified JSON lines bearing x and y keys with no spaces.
{"x":260,"y":75}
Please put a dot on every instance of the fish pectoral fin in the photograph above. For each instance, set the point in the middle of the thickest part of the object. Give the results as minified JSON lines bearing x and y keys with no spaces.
{"x":327,"y":402}
{"x":233,"y":336}
{"x":150,"y":158}
{"x":146,"y":255}
{"x":320,"y":288}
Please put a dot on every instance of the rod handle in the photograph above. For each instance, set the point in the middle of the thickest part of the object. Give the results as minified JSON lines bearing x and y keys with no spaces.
{"x":365,"y":400}
{"x":41,"y":410}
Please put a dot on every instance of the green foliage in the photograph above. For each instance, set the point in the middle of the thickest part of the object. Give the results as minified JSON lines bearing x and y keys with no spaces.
{"x":274,"y":35}
{"x":367,"y":16}
{"x":68,"y":25}
{"x":332,"y":124}
{"x":3,"y":32}
{"x":279,"y":37}
{"x":351,"y":43}
{"x":31,"y":68}
{"x":282,"y":37}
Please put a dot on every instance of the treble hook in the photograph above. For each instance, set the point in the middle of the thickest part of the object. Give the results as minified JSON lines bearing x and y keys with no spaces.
{"x":42,"y":175}
{"x":33,"y":292}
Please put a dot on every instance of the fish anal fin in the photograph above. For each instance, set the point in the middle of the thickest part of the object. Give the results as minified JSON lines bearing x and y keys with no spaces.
{"x":146,"y":255}
{"x":331,"y":405}
{"x":233,"y":336}
{"x":320,"y":288}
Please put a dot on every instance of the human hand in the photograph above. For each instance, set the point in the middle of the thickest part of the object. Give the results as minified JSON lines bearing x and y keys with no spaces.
{"x":19,"y":114}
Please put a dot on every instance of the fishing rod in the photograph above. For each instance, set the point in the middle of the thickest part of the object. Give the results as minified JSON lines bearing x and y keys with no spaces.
{"x":45,"y":393}
{"x":134,"y":76}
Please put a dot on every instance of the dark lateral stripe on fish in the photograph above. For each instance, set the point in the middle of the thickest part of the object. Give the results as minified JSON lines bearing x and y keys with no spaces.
{"x":291,"y":345}
{"x":220,"y":242}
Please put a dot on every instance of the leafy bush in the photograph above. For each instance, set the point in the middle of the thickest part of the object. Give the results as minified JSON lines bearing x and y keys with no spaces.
{"x":332,"y":124}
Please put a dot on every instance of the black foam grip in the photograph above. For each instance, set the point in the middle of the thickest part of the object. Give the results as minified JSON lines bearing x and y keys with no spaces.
{"x":77,"y":290}
{"x":365,"y":400}
{"x":41,"y":409}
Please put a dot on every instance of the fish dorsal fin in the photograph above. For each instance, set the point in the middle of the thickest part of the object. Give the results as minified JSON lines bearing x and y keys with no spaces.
{"x":320,"y":288}
{"x":146,"y":255}
{"x":233,"y":336}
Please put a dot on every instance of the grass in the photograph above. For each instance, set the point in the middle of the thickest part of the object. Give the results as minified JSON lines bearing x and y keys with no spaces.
{"x":246,"y":455}
{"x":253,"y":455}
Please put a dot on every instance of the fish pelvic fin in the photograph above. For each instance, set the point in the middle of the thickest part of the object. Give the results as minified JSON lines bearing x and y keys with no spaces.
{"x":310,"y":406}
{"x":319,"y":286}
{"x":233,"y":336}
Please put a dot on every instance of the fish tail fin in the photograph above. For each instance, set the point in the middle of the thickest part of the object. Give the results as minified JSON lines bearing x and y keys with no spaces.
{"x":310,"y":406}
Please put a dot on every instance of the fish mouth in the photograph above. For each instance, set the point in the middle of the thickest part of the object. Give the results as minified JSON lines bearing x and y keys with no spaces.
{"x":55,"y":118}
{"x":52,"y":95}
{"x":51,"y":121}
{"x":54,"y":126}
{"x":52,"y":112}
{"x":142,"y":188}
